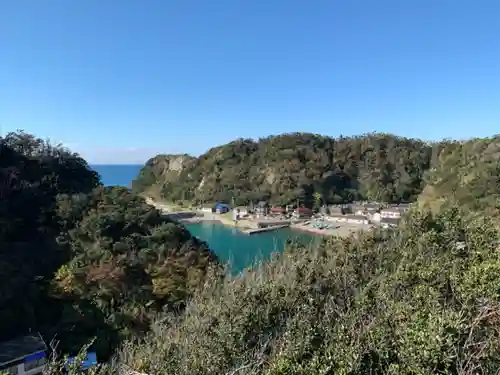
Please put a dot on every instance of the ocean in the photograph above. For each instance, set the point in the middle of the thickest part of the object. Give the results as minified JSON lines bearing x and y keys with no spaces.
{"x":117,"y":174}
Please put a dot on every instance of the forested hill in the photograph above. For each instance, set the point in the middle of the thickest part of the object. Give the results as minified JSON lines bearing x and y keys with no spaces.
{"x":469,"y":173}
{"x":287,"y":167}
{"x":79,"y":260}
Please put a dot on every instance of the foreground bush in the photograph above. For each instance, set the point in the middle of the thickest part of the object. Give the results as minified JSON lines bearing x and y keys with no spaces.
{"x":420,"y":300}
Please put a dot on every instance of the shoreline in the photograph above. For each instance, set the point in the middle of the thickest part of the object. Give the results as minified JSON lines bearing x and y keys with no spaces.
{"x":244,"y":225}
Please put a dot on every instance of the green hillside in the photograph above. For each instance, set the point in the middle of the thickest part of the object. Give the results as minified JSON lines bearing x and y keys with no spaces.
{"x":294,"y":166}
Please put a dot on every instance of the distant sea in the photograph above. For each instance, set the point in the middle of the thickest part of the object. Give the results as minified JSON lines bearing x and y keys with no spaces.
{"x":117,"y":174}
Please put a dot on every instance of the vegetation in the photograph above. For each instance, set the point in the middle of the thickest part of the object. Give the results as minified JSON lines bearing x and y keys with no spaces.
{"x":468,"y":172}
{"x":420,"y":300}
{"x":98,"y":262}
{"x":288,"y":167}
{"x":79,"y":260}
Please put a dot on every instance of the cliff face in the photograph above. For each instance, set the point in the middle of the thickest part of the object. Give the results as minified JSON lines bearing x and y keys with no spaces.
{"x":159,"y":171}
{"x":312,"y":168}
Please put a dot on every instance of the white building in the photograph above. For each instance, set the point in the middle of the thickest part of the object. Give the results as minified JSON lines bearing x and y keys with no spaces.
{"x":392,"y":212}
{"x":242,"y":210}
{"x":389,"y":222}
{"x":352,"y":219}
{"x":207,"y":209}
{"x":23,"y":356}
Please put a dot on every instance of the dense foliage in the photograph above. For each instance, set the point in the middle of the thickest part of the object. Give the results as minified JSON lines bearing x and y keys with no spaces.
{"x":420,"y":300}
{"x":79,"y":260}
{"x":87,"y":261}
{"x":288,"y":167}
{"x":468,"y":172}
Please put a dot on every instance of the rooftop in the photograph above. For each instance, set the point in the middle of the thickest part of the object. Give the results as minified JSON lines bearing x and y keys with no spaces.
{"x":20,"y":348}
{"x":392,"y":209}
{"x":389,"y":220}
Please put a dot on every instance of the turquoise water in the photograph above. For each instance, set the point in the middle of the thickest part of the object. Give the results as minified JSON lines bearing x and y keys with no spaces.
{"x":119,"y":174}
{"x":231,"y":246}
{"x":243,"y":250}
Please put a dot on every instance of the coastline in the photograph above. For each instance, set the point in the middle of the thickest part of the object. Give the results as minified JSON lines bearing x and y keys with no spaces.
{"x":199,"y":217}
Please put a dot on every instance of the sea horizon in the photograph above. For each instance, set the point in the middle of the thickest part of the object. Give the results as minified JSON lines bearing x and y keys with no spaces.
{"x":117,"y":174}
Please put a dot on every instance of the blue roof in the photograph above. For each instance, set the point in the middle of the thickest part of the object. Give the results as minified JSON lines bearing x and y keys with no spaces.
{"x":220,"y":205}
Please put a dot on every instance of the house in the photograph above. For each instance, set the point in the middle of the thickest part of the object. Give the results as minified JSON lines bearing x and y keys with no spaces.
{"x":357,"y":219}
{"x":208,"y":209}
{"x":222,"y":208}
{"x":404,"y":206}
{"x":277,"y":210}
{"x":302,"y":212}
{"x":262,"y":208}
{"x":376,"y":217}
{"x":25,"y":355}
{"x":392,"y":212}
{"x":372,"y":207}
{"x":242,"y":210}
{"x":352,"y":219}
{"x":336,"y":210}
{"x":389,"y":222}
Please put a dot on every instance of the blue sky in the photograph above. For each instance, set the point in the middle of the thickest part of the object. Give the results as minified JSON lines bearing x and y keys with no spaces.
{"x":119,"y":81}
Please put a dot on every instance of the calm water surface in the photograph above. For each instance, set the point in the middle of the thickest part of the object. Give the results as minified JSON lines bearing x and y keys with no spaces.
{"x":231,"y":246}
{"x":243,"y":250}
{"x":117,"y":174}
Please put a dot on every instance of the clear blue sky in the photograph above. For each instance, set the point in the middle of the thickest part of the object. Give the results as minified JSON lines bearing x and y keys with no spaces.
{"x":119,"y":81}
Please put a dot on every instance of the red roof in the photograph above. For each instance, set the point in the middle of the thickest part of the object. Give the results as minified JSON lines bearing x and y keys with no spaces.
{"x":303,"y":210}
{"x":277,"y":209}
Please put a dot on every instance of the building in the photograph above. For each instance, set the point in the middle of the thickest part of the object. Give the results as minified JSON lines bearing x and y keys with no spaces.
{"x":207,"y":209}
{"x":262,"y":208}
{"x":357,"y":219}
{"x":392,"y":212}
{"x":389,"y":222}
{"x":351,"y":219}
{"x":302,"y":212}
{"x":335,"y":210}
{"x":23,"y":356}
{"x":242,"y":211}
{"x":277,"y":210}
{"x":222,"y":208}
{"x":372,"y":207}
{"x":404,"y":206}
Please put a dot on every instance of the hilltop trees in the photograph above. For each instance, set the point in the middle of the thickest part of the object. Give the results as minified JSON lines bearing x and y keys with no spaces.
{"x":288,"y":167}
{"x":78,"y":259}
{"x":468,"y":172}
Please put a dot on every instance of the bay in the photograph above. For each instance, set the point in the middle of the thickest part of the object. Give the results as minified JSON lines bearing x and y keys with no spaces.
{"x":232,"y":247}
{"x":241,"y":250}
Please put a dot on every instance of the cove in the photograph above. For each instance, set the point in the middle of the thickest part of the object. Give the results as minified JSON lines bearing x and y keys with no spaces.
{"x":242,"y":250}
